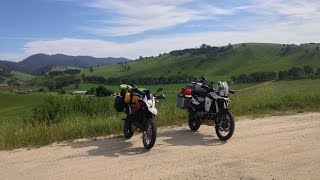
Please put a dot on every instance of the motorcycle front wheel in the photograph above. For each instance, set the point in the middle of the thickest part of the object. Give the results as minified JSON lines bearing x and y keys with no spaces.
{"x":150,"y":134}
{"x":127,"y":131}
{"x":225,"y":126}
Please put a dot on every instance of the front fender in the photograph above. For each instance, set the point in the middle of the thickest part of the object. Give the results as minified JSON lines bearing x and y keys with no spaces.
{"x":153,"y":110}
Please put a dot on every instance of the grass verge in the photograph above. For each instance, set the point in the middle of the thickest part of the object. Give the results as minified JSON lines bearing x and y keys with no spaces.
{"x":34,"y":120}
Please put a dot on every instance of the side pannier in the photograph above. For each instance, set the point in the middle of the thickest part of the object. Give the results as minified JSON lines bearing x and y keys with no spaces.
{"x":184,"y":98}
{"x":119,"y":103}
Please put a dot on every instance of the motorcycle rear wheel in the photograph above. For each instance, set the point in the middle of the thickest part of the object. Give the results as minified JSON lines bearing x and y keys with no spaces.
{"x":150,"y":134}
{"x":225,"y":126}
{"x":193,"y":123}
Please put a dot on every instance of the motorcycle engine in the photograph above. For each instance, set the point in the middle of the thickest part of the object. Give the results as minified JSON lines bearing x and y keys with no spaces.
{"x":200,"y":115}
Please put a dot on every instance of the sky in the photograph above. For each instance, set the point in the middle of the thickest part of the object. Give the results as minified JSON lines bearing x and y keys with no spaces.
{"x":133,"y":28}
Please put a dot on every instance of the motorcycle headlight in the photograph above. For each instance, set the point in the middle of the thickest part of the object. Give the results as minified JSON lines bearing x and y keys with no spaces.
{"x":222,"y":93}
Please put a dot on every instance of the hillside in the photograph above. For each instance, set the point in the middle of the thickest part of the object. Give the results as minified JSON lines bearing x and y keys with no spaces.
{"x":39,"y":63}
{"x":218,"y":65}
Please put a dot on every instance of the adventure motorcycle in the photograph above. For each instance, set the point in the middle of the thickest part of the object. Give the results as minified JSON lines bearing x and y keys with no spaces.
{"x":208,"y":106}
{"x":139,"y":106}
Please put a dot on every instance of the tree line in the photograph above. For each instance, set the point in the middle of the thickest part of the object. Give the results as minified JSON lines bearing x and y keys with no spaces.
{"x":61,"y":82}
{"x":4,"y":73}
{"x":292,"y":73}
{"x":100,"y":91}
{"x":59,"y":73}
{"x":175,"y":79}
{"x":204,"y":49}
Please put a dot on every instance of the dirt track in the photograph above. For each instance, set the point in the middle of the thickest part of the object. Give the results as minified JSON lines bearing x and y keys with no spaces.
{"x":286,"y":147}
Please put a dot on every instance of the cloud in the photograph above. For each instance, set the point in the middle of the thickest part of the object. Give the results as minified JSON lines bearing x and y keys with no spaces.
{"x":291,"y":10}
{"x":268,"y":33}
{"x":273,"y":21}
{"x":138,"y":16}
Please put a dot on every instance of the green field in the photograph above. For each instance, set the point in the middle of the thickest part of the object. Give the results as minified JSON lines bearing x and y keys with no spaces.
{"x":64,"y":117}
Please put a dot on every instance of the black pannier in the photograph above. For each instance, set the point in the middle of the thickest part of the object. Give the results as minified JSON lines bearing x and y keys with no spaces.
{"x":196,"y":89}
{"x":119,"y":103}
{"x":183,"y":102}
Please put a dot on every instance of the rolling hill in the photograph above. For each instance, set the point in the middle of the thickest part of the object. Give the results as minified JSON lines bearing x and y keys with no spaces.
{"x":217,"y":64}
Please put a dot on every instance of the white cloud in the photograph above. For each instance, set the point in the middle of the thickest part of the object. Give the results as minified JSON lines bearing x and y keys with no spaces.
{"x":268,"y":33}
{"x":138,"y":16}
{"x":274,"y":21}
{"x":291,"y":9}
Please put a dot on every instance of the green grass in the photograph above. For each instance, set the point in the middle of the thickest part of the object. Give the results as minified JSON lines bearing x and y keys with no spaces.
{"x":59,"y":118}
{"x":18,"y":105}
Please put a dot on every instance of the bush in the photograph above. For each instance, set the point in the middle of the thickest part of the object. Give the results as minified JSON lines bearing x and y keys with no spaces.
{"x":101,"y":91}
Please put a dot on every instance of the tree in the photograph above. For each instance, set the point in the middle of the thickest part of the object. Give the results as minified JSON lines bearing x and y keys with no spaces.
{"x":243,"y":78}
{"x":51,"y":87}
{"x":283,"y":75}
{"x":101,"y":91}
{"x":92,"y":91}
{"x":318,"y":72}
{"x":77,"y":83}
{"x":308,"y":70}
{"x":2,"y":79}
{"x":13,"y":82}
{"x":296,"y":73}
{"x":91,"y":69}
{"x":229,"y":47}
{"x":234,"y":78}
{"x":203,"y":46}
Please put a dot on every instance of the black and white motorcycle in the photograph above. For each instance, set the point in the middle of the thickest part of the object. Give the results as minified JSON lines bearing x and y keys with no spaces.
{"x":208,"y":106}
{"x":139,"y":106}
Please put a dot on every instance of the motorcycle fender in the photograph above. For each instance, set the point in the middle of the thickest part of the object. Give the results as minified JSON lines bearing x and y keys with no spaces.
{"x":153,"y":110}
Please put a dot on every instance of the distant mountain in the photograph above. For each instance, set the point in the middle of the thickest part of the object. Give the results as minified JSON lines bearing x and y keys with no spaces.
{"x":39,"y":63}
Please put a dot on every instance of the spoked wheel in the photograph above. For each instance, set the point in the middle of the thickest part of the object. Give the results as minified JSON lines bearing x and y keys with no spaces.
{"x":150,"y":134}
{"x":127,"y":131}
{"x":225,"y":126}
{"x":193,"y":123}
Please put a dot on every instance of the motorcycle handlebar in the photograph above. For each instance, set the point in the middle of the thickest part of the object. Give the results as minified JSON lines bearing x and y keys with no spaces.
{"x":160,"y":96}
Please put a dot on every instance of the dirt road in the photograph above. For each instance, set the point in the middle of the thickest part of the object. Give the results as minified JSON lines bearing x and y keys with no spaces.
{"x":282,"y":147}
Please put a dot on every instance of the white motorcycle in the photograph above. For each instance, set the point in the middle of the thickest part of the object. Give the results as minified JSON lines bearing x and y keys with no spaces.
{"x":139,"y":105}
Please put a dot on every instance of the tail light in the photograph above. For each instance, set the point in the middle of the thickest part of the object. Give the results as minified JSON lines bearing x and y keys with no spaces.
{"x":187,"y":92}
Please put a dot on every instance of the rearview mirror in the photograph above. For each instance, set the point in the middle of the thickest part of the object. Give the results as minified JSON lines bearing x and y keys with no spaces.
{"x":203,"y":78}
{"x":160,"y":89}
